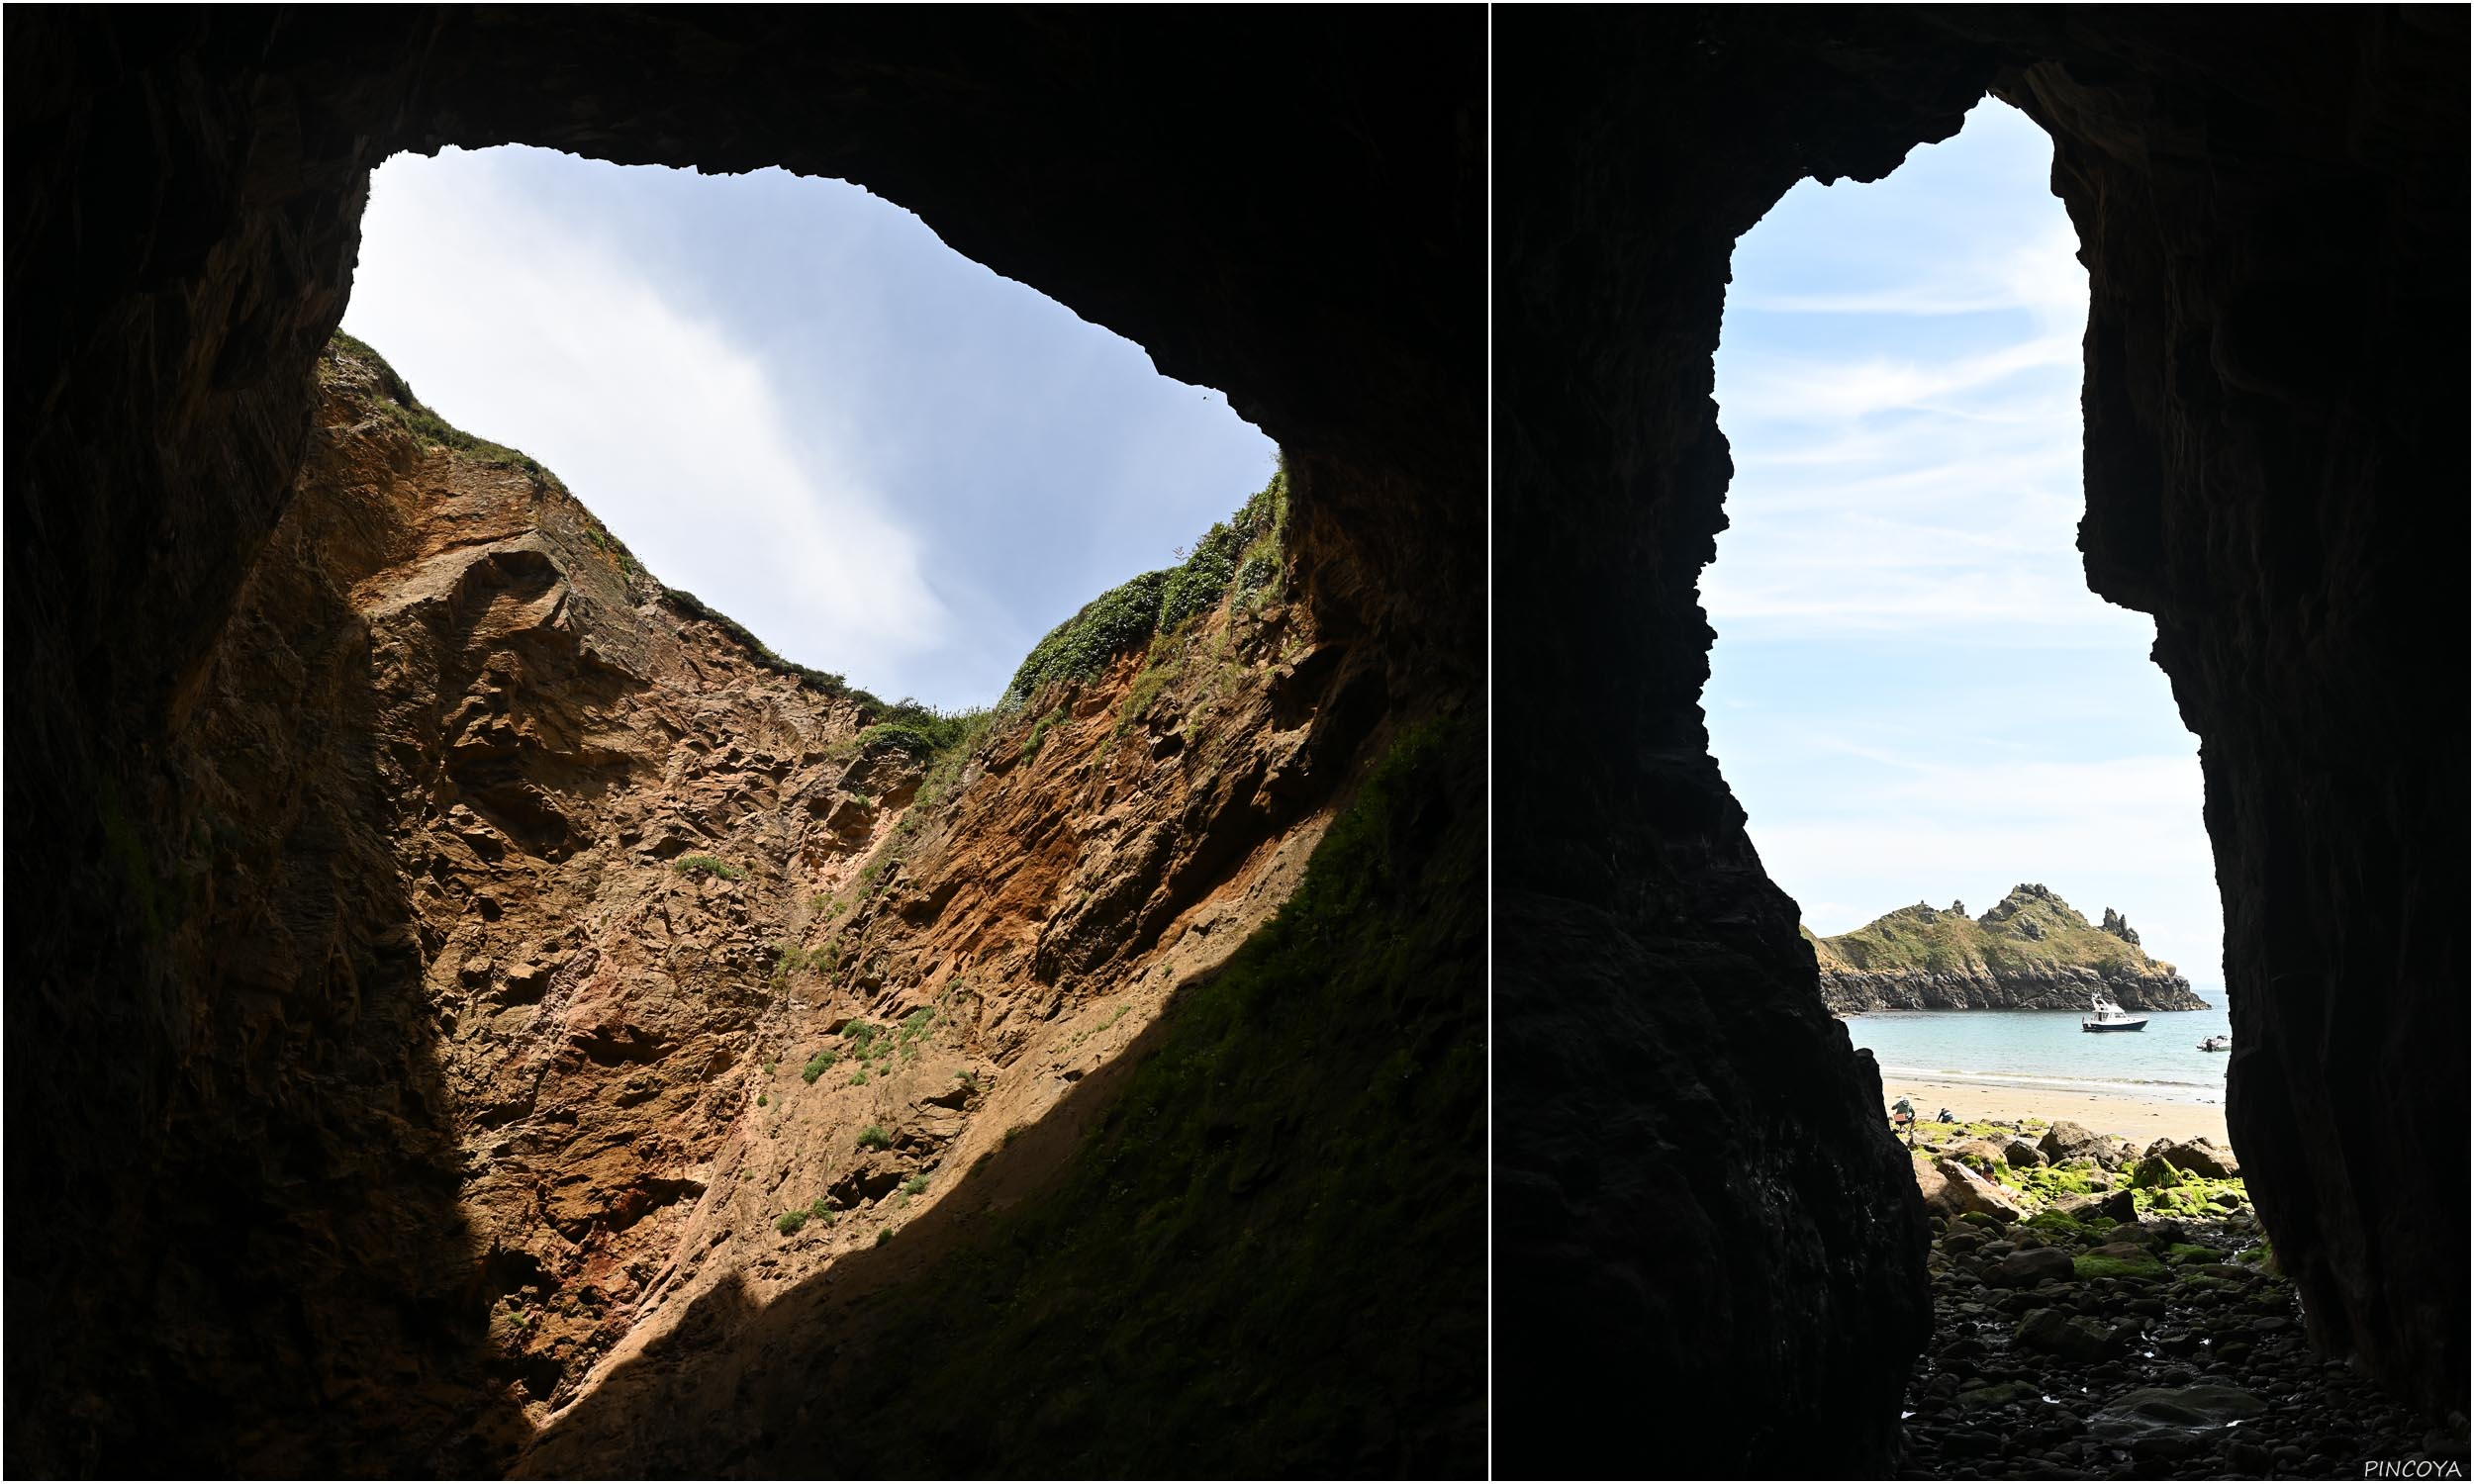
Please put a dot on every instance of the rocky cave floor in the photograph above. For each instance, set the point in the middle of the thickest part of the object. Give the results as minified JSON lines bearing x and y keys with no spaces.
{"x":2184,"y":1358}
{"x":2195,"y":1371}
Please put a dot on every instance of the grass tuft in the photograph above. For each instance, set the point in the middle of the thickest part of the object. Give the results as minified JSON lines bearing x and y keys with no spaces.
{"x":705,"y":866}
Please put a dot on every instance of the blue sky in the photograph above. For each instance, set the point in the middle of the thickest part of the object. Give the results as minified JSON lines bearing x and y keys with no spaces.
{"x":790,"y":399}
{"x":1913,"y":692}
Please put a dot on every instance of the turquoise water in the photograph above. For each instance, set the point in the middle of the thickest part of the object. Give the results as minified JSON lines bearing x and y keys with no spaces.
{"x":2046,"y":1049}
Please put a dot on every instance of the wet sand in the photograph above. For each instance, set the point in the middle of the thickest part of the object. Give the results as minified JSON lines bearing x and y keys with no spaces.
{"x":2135,"y":1119}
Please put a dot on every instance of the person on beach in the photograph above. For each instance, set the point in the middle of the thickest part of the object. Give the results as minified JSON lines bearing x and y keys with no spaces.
{"x":1903,"y":1115}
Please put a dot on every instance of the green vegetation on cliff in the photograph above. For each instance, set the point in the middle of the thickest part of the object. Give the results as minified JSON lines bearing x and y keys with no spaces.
{"x":1279,"y":1216}
{"x":1241,"y":552}
{"x":427,"y":426}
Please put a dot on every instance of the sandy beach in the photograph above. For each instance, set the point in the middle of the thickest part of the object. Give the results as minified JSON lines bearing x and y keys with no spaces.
{"x":2135,"y":1119}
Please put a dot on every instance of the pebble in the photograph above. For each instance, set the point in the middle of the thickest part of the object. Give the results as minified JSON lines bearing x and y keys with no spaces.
{"x":2236,"y":1328}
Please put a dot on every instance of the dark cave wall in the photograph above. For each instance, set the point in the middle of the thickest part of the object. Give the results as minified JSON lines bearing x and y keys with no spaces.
{"x":187,"y":1111}
{"x":1699,"y":1220}
{"x":2274,"y":219}
{"x":1291,"y":212}
{"x":1689,"y":1172}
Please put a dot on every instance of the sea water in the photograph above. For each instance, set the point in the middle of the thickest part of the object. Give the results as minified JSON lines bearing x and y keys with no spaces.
{"x":2045,"y":1050}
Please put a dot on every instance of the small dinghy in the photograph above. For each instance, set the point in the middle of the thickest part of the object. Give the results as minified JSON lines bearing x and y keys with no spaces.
{"x":2216,"y":1042}
{"x":2112,"y":1017}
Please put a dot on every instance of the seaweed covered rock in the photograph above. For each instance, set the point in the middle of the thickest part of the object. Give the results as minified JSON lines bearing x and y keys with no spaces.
{"x":2069,"y":1141}
{"x":1951,"y":1188}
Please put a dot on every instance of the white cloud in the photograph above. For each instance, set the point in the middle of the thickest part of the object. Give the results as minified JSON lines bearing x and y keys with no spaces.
{"x":515,"y":328}
{"x":1838,"y":391}
{"x":2041,"y":275}
{"x":1936,"y":706}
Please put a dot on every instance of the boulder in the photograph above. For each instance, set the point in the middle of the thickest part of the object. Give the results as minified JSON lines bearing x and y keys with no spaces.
{"x":1953,"y":1189}
{"x":2201,"y":1157}
{"x":2155,"y":1172}
{"x":2181,"y":1422}
{"x":2022,"y":1155}
{"x":1983,"y":1153}
{"x":2070,"y":1336}
{"x":1998,"y":1394}
{"x":2026,"y":1269}
{"x":2068,"y":1141}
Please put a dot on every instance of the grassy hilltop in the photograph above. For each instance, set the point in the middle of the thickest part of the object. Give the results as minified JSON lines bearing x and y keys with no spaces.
{"x":2032,"y":950}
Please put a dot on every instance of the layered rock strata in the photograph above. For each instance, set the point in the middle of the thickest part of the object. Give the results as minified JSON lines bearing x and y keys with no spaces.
{"x":582,"y":891}
{"x":727,"y":982}
{"x":2030,"y":951}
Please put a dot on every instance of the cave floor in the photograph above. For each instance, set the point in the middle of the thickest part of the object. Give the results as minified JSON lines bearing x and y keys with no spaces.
{"x":2165,"y":1350}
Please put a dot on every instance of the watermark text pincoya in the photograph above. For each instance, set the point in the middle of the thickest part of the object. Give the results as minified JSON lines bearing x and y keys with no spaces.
{"x":2412,"y":1469}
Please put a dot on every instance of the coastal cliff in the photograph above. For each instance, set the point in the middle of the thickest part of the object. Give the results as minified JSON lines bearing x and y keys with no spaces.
{"x":2032,"y":952}
{"x":657,"y":976}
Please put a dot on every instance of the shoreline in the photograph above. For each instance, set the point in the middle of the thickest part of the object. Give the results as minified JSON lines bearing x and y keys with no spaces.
{"x":2138,"y":1119}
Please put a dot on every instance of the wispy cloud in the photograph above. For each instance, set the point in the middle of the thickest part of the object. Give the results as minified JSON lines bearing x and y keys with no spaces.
{"x":1828,"y":392}
{"x":2040,"y":274}
{"x":515,"y":327}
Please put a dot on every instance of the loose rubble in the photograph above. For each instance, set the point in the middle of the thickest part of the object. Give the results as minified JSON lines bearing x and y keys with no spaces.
{"x":2082,"y":1332}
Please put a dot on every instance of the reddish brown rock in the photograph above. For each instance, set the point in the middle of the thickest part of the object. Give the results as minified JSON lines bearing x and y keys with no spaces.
{"x":656,"y":872}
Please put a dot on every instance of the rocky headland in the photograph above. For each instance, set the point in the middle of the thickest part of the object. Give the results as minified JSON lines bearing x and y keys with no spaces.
{"x":2030,"y":951}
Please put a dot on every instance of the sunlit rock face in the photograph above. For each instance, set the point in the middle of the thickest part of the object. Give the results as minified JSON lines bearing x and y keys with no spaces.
{"x":1690,"y":1178}
{"x":266,"y":1244}
{"x":2031,"y":951}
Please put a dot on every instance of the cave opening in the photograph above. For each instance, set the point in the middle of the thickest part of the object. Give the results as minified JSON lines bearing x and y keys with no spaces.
{"x":669,"y":864}
{"x":2264,"y":423}
{"x":259,"y":1251}
{"x":788,"y":396}
{"x":1913,"y":690}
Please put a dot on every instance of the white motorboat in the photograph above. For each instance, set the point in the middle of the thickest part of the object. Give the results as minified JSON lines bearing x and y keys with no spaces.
{"x":2111,"y":1017}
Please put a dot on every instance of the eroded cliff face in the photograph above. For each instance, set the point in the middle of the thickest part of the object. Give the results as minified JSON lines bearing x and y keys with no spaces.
{"x":2031,"y":951}
{"x":696,"y":984}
